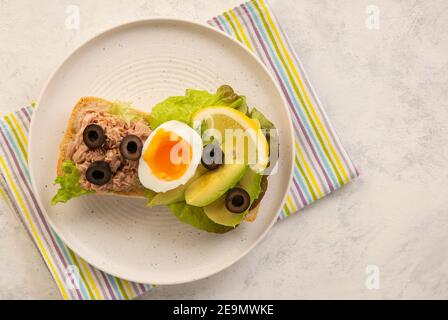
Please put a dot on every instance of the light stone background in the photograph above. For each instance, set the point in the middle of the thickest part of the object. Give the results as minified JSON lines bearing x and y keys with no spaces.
{"x":386,"y":93}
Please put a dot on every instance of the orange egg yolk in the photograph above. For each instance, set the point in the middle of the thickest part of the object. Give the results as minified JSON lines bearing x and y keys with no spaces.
{"x":168,"y":155}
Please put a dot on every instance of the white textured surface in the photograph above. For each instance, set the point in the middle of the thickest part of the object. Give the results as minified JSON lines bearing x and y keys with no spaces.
{"x":385,"y":92}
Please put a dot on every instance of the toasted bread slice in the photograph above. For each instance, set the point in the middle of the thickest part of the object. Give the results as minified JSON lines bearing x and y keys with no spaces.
{"x":70,"y":132}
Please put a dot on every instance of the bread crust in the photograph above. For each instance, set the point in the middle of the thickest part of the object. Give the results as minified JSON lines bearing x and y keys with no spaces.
{"x":70,"y":132}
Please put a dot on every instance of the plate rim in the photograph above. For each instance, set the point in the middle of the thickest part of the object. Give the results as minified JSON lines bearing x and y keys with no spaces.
{"x":124,"y":25}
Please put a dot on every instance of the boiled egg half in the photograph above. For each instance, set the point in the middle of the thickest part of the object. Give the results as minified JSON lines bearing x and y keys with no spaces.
{"x":170,"y":156}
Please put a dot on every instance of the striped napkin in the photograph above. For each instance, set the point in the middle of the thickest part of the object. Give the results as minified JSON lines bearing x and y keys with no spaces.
{"x":321,"y":163}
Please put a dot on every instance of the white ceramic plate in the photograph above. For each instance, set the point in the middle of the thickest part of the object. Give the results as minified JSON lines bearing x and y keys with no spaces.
{"x":145,"y":62}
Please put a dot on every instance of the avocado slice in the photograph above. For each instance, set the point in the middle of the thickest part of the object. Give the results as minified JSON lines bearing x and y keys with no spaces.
{"x":212,"y":185}
{"x":176,"y":194}
{"x":169,"y":197}
{"x":217,"y":211}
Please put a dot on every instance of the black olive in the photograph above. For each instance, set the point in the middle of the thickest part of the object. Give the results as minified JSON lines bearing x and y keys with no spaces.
{"x":131,"y":147}
{"x":264,"y":187}
{"x":212,"y":156}
{"x":93,"y":136}
{"x":237,"y":200}
{"x":99,"y":173}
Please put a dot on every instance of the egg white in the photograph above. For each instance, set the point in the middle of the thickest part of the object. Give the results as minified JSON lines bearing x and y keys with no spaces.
{"x":149,"y":180}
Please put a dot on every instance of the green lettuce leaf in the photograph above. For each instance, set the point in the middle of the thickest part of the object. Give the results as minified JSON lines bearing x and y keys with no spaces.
{"x":264,"y":122}
{"x":196,"y":217}
{"x":125,"y":111}
{"x":182,"y":108}
{"x":69,"y":184}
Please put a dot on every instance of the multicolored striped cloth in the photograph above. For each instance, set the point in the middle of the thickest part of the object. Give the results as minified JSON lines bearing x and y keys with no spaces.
{"x":322,"y":165}
{"x":75,"y":278}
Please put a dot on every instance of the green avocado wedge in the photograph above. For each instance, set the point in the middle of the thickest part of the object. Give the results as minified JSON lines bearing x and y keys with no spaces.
{"x":217,"y":211}
{"x":169,"y":197}
{"x":176,"y":194}
{"x":212,"y":185}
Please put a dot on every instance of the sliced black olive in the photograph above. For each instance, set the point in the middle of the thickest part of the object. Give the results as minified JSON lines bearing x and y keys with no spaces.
{"x":212,"y":156}
{"x":131,"y":147}
{"x":99,"y":173}
{"x":264,"y":187}
{"x":93,"y":136}
{"x":237,"y":200}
